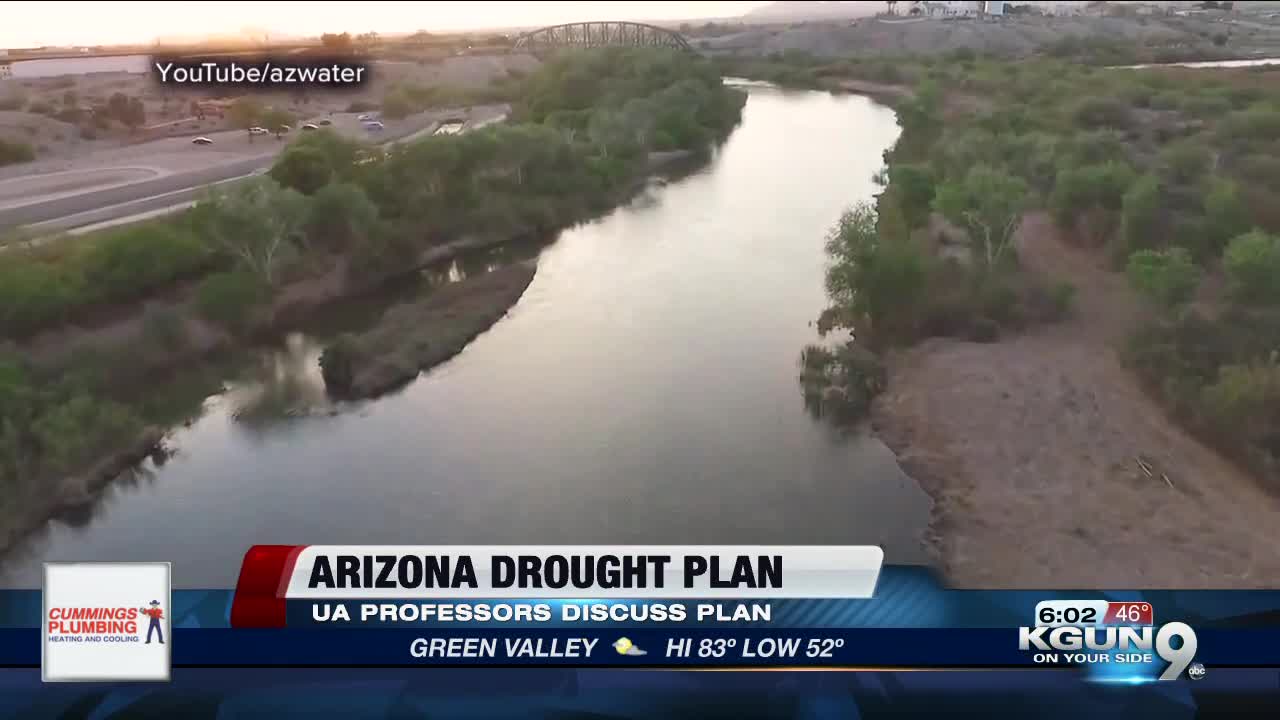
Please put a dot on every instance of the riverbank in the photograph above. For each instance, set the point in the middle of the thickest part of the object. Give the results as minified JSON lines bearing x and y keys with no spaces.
{"x":415,"y":336}
{"x":97,"y":323}
{"x":1029,"y":448}
{"x":410,"y":338}
{"x":1104,"y":435}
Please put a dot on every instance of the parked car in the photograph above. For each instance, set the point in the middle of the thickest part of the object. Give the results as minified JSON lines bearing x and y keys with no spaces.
{"x":258,"y":131}
{"x":373,"y":125}
{"x":311,"y":126}
{"x":366,"y":116}
{"x":326,"y":121}
{"x":202,"y":141}
{"x":283,"y":129}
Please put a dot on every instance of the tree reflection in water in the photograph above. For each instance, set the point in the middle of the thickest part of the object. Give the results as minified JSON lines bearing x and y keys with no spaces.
{"x":284,"y":383}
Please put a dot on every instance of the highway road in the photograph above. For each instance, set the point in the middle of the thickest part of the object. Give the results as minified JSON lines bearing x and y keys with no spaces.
{"x":116,"y":202}
{"x":127,"y":199}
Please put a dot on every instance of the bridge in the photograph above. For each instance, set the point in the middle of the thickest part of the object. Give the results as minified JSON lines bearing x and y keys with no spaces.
{"x":600,"y":34}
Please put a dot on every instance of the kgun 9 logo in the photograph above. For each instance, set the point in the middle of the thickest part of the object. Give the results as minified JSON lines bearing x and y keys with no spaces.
{"x":1119,"y":645}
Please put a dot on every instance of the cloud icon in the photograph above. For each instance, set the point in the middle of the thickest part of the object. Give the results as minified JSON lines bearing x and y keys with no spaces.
{"x":624,"y":646}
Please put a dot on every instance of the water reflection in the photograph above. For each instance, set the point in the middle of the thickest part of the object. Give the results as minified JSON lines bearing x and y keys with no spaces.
{"x":642,"y":390}
{"x":285,"y":384}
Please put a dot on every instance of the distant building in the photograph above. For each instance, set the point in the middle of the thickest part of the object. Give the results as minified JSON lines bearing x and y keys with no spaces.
{"x":956,"y":8}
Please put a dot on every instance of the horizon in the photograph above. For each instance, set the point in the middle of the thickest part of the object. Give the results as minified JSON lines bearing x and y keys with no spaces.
{"x":56,"y":24}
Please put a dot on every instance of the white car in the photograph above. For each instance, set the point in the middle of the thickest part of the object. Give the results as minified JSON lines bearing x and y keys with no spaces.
{"x":311,"y":126}
{"x":373,"y":125}
{"x":366,"y":117}
{"x":202,"y":141}
{"x":258,"y":131}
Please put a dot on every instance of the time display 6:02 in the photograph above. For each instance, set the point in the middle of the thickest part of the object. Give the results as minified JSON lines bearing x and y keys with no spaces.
{"x":1059,"y":613}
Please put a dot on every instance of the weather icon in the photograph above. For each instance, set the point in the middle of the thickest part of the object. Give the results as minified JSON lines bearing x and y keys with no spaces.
{"x":624,"y":646}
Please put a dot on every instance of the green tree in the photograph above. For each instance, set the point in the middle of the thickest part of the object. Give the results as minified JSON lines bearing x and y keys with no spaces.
{"x":1140,"y":215}
{"x":303,"y":168}
{"x":341,"y":215}
{"x":914,"y":186}
{"x":988,"y":204}
{"x":1168,"y":278}
{"x":1252,"y":264}
{"x":255,"y":221}
{"x":875,"y":282}
{"x":1186,"y":161}
{"x":1226,"y":215}
{"x":1089,"y":198}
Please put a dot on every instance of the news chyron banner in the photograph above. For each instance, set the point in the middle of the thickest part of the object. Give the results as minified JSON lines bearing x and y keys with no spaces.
{"x":656,"y":606}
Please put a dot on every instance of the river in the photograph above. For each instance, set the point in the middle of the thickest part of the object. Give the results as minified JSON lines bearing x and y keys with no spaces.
{"x":643,"y":390}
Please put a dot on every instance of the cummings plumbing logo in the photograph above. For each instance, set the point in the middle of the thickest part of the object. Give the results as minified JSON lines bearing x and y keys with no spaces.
{"x":94,"y":627}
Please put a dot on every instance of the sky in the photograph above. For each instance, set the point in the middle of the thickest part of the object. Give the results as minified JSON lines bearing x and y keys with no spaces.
{"x":33,"y":24}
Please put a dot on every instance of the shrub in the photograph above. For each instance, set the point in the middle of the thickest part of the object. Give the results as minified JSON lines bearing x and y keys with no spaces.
{"x":1090,"y":198}
{"x":228,"y":298}
{"x":1166,"y":277}
{"x":70,"y":433}
{"x":15,"y":152}
{"x":1062,"y":297}
{"x":305,"y":169}
{"x":1262,"y":170}
{"x":1102,"y":112}
{"x":341,"y":215}
{"x":1167,"y":100}
{"x":1185,"y":161}
{"x":873,"y":277}
{"x":1252,"y":264}
{"x":1140,"y":215}
{"x":1251,"y":127}
{"x":914,"y":187}
{"x":34,"y":294}
{"x":1208,"y":107}
{"x":133,"y":262}
{"x":1243,"y":405}
{"x":1225,"y":215}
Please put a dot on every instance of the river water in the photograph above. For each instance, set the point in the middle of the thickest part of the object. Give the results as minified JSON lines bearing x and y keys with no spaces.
{"x":644,"y":390}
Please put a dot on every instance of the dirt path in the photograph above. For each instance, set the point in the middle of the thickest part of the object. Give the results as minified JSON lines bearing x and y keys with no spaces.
{"x":1028,"y":448}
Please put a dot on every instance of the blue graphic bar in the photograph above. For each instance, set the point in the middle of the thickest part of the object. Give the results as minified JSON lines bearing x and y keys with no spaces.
{"x":683,"y":647}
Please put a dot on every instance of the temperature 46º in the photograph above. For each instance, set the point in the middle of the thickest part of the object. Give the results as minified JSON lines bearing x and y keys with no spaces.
{"x":790,"y":647}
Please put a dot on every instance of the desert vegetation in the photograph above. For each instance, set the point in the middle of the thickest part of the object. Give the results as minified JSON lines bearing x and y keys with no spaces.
{"x":1168,"y":174}
{"x":582,"y":130}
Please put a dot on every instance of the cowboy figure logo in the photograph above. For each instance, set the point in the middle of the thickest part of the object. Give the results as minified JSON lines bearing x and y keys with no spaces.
{"x":156,"y":614}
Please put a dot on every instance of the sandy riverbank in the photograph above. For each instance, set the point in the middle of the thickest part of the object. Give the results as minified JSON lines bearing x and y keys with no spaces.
{"x":1028,"y":448}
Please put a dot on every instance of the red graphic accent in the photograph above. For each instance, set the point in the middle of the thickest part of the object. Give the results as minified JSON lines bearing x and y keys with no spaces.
{"x":1129,"y":613}
{"x":259,"y":601}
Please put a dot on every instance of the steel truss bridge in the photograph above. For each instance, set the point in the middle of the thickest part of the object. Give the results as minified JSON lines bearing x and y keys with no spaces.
{"x":600,"y":34}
